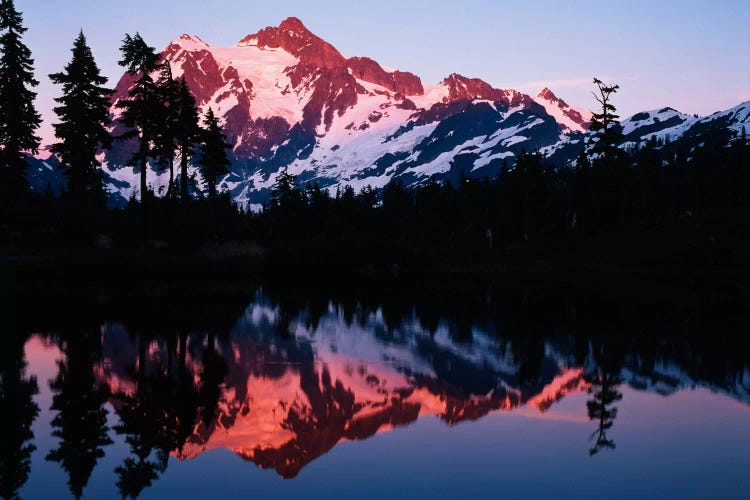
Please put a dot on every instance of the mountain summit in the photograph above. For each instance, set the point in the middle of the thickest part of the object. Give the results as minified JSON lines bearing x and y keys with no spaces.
{"x":569,"y":118}
{"x":293,"y":37}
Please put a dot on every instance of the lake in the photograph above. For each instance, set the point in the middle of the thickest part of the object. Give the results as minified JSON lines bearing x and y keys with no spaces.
{"x":282,"y":393}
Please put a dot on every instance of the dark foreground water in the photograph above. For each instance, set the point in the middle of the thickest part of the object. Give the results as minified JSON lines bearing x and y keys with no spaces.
{"x":502,"y":395}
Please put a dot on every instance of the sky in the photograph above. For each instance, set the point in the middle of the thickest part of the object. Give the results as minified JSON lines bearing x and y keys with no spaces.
{"x":688,"y":54}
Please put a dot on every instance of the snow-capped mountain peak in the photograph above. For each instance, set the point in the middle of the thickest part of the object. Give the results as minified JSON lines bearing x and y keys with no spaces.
{"x":293,"y":37}
{"x":186,"y":38}
{"x":289,"y":100}
{"x":569,"y":118}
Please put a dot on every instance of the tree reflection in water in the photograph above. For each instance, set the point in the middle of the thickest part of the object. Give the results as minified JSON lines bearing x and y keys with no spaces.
{"x":18,"y":412}
{"x":601,"y":408}
{"x":79,"y":399}
{"x":292,"y":378}
{"x":608,"y":355}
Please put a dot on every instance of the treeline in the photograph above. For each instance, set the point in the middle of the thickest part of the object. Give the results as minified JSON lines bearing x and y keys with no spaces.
{"x":659,"y":200}
{"x":654,"y":203}
{"x":158,"y":118}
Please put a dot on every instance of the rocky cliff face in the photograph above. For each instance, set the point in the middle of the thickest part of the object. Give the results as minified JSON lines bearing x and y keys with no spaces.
{"x":570,"y":119}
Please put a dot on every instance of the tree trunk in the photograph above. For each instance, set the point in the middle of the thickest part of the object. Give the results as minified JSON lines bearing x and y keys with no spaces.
{"x":170,"y":187}
{"x":184,"y":173}
{"x":144,"y":167}
{"x":211,"y":189}
{"x":144,"y":186}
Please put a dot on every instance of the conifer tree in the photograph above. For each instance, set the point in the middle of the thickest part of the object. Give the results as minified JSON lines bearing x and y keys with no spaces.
{"x":285,"y":193}
{"x":612,"y":179}
{"x":214,"y":160}
{"x":141,"y":109}
{"x":83,"y":114}
{"x":166,"y":132}
{"x":605,"y":123}
{"x":19,"y":119}
{"x":187,"y":132}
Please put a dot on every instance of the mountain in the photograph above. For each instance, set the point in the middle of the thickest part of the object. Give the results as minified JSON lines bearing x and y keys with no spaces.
{"x":569,"y":118}
{"x":46,"y":176}
{"x":290,"y":100}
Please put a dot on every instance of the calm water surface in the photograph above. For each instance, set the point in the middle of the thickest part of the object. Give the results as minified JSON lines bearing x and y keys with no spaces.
{"x":333,"y":398}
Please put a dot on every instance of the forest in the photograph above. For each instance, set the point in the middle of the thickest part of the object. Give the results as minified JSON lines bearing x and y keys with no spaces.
{"x":659,"y":207}
{"x":136,"y":333}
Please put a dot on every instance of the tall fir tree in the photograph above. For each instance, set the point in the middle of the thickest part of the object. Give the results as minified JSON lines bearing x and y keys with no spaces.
{"x":213,"y":160}
{"x":188,"y":132}
{"x":166,"y":133}
{"x":142,"y":108}
{"x":83,"y":114}
{"x":19,"y":119}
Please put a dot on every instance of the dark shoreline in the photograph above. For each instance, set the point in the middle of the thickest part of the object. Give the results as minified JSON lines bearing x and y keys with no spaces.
{"x":162,"y":285}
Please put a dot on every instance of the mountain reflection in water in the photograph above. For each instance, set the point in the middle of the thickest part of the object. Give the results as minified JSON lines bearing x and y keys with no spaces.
{"x":288,"y":381}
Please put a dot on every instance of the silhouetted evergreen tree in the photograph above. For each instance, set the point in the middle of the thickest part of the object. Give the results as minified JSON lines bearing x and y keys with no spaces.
{"x":318,"y":198}
{"x":612,"y":169}
{"x":83,"y":114}
{"x":285,"y":194}
{"x":19,"y":119}
{"x":187,"y":132}
{"x":604,"y":123}
{"x":169,"y":118}
{"x":213,"y":159}
{"x":141,"y":110}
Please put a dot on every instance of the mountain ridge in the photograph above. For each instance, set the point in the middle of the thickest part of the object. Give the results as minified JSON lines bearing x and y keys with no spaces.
{"x":290,"y":101}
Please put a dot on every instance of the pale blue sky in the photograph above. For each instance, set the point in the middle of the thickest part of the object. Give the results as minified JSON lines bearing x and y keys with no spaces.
{"x":689,"y":54}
